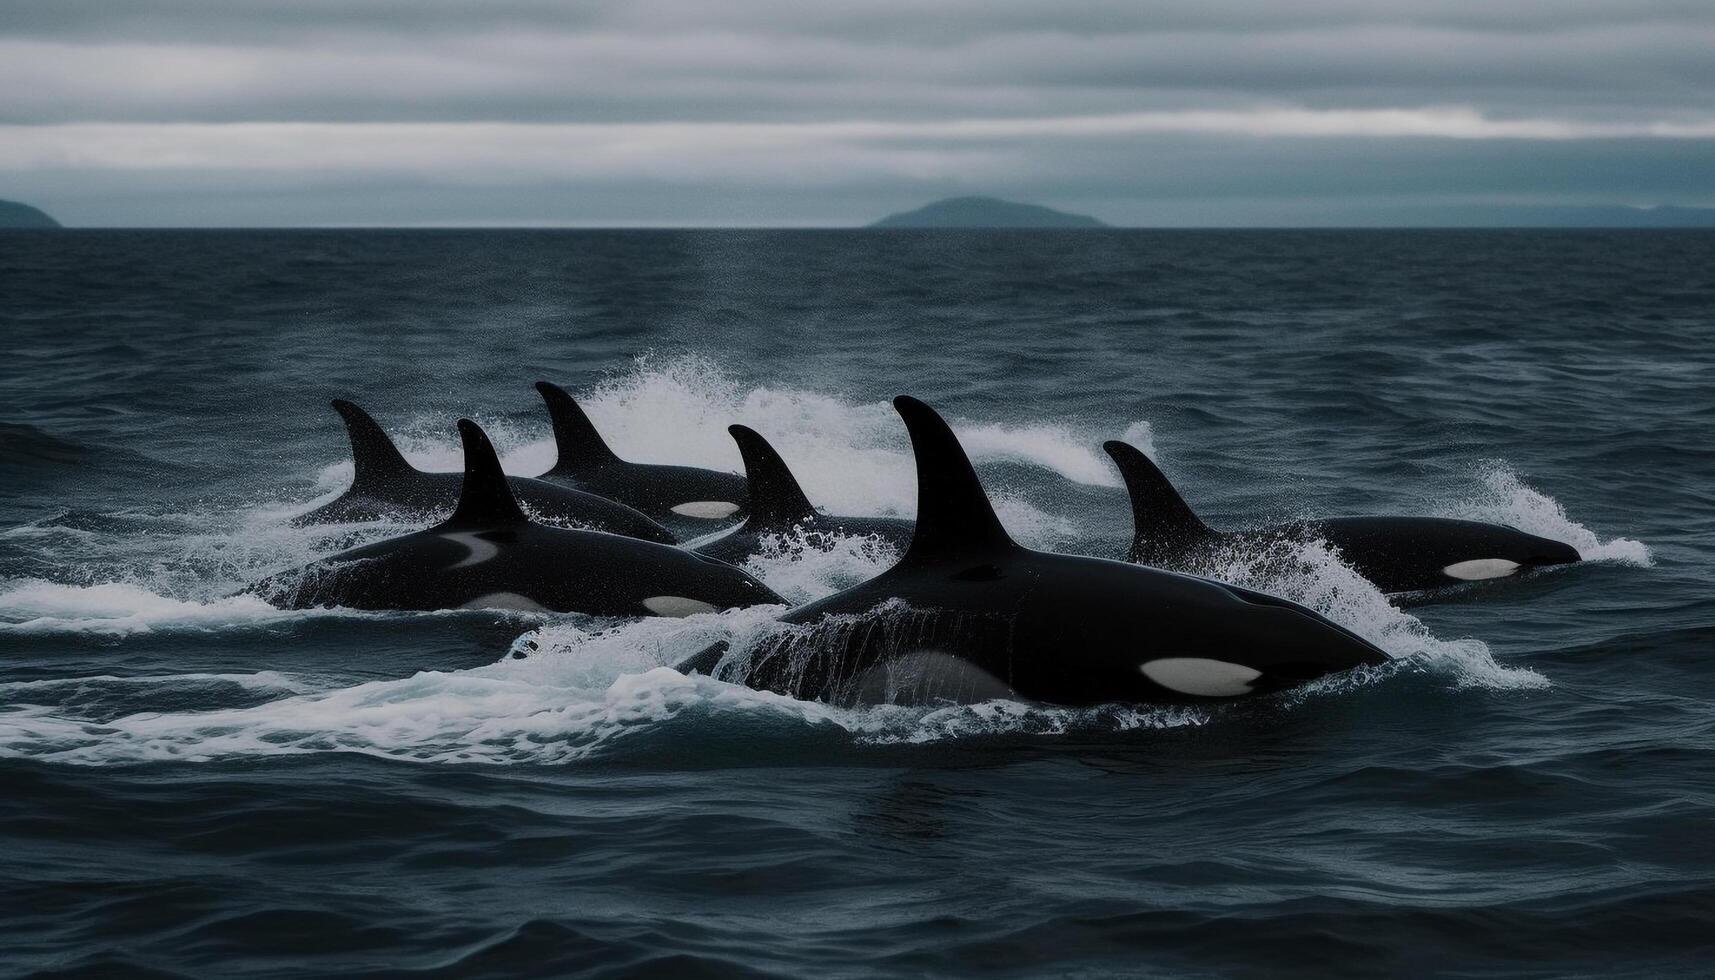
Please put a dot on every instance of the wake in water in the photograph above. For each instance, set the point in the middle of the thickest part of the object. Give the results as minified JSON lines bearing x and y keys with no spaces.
{"x":1506,"y":499}
{"x":1312,"y":575}
{"x":573,"y":687}
{"x":850,"y":457}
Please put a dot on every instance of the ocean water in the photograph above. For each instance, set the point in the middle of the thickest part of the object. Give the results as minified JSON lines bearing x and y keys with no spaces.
{"x":195,"y":785}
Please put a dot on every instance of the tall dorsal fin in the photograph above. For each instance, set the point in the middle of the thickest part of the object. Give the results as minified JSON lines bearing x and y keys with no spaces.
{"x":581,"y":448}
{"x":776,"y":500}
{"x":1162,"y":522}
{"x":954,"y":516}
{"x":485,"y":499}
{"x":375,"y":461}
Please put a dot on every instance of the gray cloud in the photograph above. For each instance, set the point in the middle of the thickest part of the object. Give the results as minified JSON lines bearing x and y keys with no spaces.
{"x":778,"y":111}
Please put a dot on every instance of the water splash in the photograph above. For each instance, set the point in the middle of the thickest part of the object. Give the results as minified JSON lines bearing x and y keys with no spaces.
{"x":1142,"y":436}
{"x":572,"y":687}
{"x":568,"y":693}
{"x":851,"y":457}
{"x":806,"y":565}
{"x":1506,"y":499}
{"x":120,"y":609}
{"x":1312,"y":574}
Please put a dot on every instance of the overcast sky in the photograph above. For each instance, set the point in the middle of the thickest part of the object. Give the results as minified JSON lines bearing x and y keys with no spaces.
{"x":795,"y":112}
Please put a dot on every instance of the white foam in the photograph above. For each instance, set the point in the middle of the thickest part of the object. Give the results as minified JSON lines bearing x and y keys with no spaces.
{"x":580,"y":688}
{"x":1312,"y":574}
{"x":805,"y":566}
{"x":260,"y":681}
{"x":1505,"y":499}
{"x":119,"y":609}
{"x":1052,"y":446}
{"x":676,"y":410}
{"x":33,"y":606}
{"x":1142,"y":436}
{"x":574,"y":689}
{"x":575,"y":693}
{"x":851,"y":457}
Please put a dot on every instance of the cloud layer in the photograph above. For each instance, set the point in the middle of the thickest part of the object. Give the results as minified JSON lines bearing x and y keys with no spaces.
{"x":772,"y":112}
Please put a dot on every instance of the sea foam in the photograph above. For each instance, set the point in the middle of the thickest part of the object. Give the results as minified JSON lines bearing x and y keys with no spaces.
{"x":851,"y":457}
{"x":1505,"y":499}
{"x":572,"y":688}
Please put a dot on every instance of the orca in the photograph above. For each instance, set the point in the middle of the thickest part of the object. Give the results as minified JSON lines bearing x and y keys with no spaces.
{"x":1397,"y":554}
{"x":489,"y":555}
{"x":685,"y":498}
{"x":778,"y":507}
{"x":968,"y":614}
{"x":384,"y":484}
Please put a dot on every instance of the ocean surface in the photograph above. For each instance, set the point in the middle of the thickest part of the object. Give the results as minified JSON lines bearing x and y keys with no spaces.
{"x":198,"y":785}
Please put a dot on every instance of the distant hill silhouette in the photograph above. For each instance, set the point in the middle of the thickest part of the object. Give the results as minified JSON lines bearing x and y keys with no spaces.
{"x":985,"y":212}
{"x":15,"y":215}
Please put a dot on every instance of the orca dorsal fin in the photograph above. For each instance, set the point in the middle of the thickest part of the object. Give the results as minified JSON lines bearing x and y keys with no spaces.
{"x":485,"y":498}
{"x":777,"y":502}
{"x":954,"y":516}
{"x":1162,"y":522}
{"x":580,"y":447}
{"x":375,"y":461}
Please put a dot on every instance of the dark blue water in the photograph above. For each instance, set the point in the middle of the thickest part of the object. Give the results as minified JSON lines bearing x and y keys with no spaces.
{"x":199,"y":785}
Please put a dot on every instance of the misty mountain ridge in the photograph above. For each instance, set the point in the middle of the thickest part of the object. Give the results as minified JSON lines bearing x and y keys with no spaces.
{"x":16,"y":215}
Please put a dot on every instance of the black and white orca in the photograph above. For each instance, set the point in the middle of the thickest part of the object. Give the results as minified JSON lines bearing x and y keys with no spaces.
{"x":778,"y":507}
{"x":385,"y":485}
{"x":686,"y":498}
{"x":1397,"y":554}
{"x":968,"y":614}
{"x":489,"y":555}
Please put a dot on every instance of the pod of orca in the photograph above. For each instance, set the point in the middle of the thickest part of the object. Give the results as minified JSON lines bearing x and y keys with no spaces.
{"x":965,"y":614}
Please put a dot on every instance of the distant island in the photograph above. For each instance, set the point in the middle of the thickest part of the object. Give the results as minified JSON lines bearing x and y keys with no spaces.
{"x":986,"y":212}
{"x":15,"y":215}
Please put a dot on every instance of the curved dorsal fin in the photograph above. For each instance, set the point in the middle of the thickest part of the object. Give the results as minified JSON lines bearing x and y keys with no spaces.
{"x":1161,"y":519}
{"x":485,"y":499}
{"x":375,"y":461}
{"x":776,"y":500}
{"x":581,"y":448}
{"x":954,"y":516}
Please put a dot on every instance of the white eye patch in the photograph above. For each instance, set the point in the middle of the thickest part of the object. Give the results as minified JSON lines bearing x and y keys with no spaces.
{"x":1478,"y":569}
{"x":1200,"y":677}
{"x":676,"y":605}
{"x":505,"y":600}
{"x":708,"y":510}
